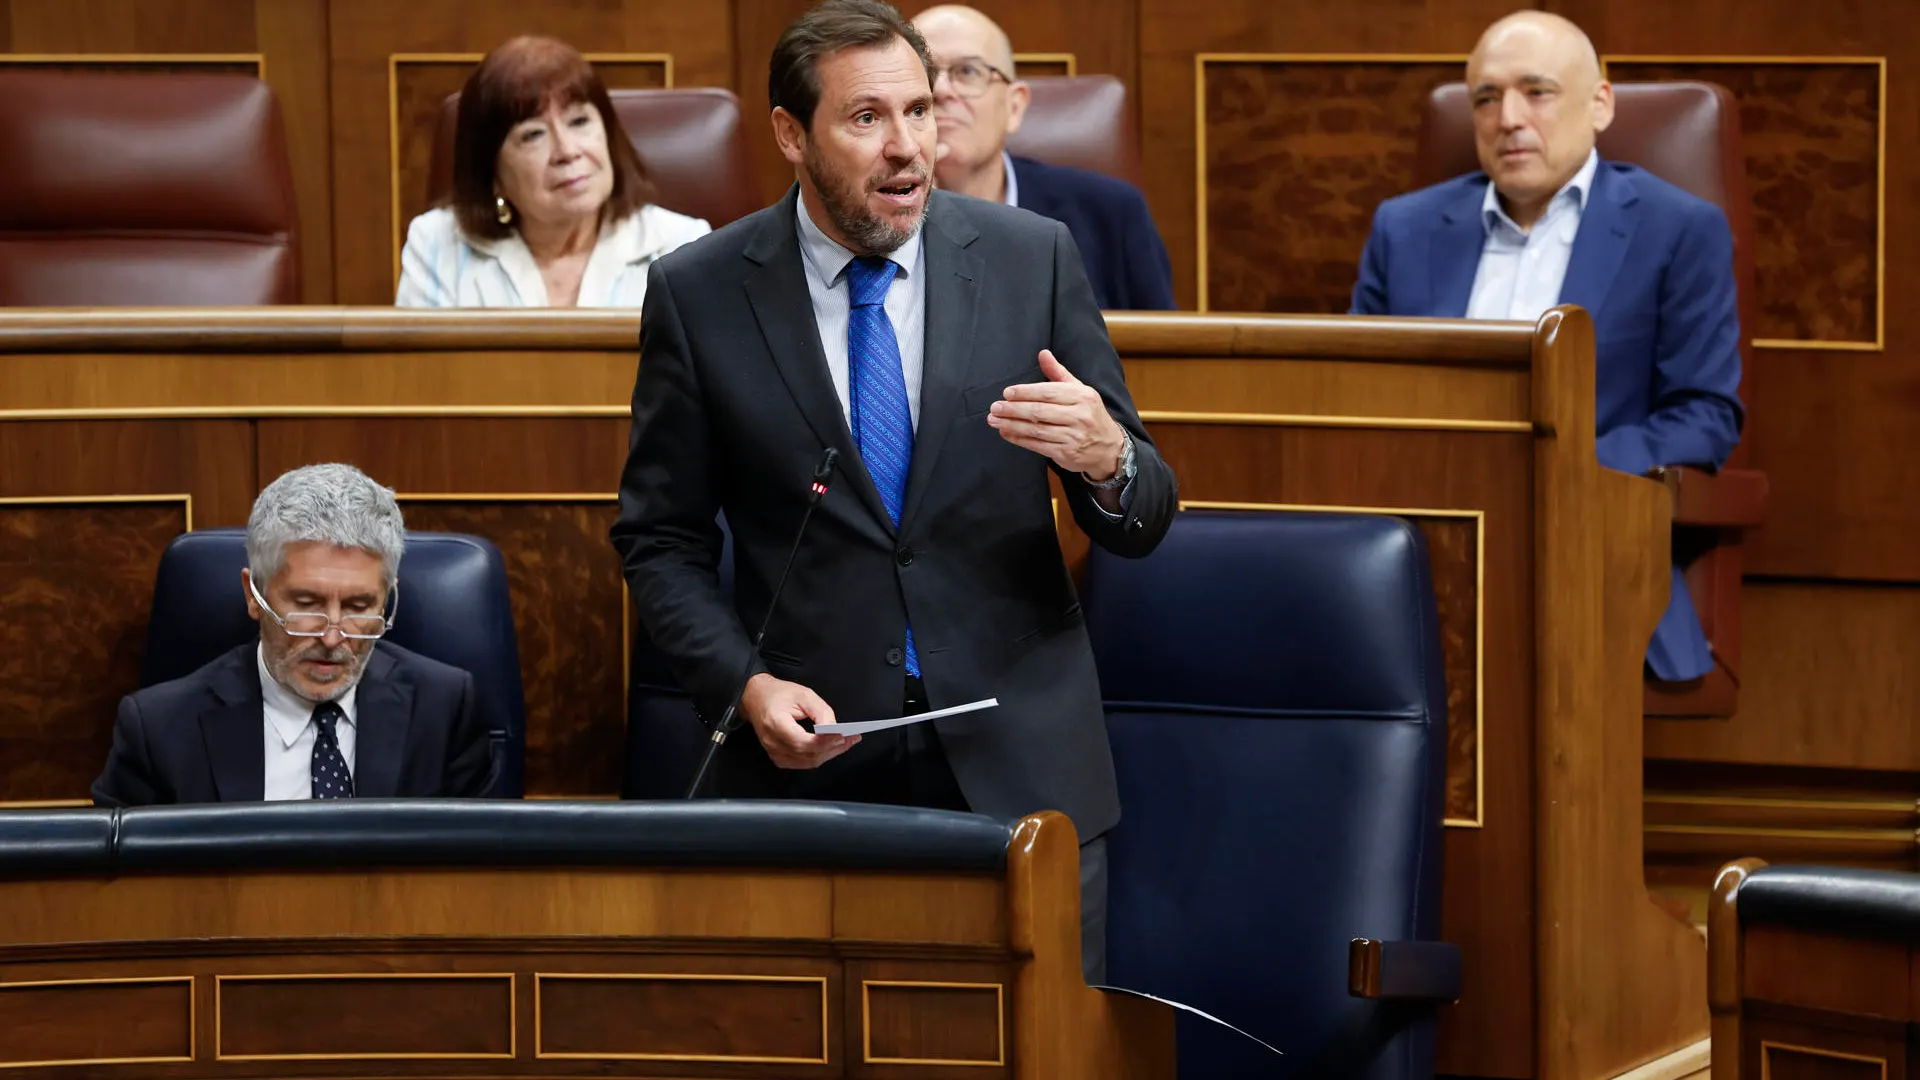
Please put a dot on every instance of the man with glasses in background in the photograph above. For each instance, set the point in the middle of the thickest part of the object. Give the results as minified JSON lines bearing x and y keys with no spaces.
{"x":978,"y":101}
{"x":319,"y":707}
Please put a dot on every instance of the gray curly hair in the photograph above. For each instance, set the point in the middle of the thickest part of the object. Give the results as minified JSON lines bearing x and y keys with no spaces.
{"x":334,"y":504}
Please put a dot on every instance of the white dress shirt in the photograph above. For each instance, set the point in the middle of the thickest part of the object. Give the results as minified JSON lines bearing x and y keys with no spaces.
{"x":444,"y":267}
{"x":1013,"y":180}
{"x":1521,"y":271}
{"x":290,"y":732}
{"x":906,"y":305}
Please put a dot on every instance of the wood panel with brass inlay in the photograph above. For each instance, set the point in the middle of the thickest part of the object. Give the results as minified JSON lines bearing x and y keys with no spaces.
{"x":96,"y":1021}
{"x":76,"y":577}
{"x":334,"y":1016}
{"x":685,"y":1017}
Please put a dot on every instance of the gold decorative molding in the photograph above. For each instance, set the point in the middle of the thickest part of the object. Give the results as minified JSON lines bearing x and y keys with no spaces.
{"x":1878,"y":344}
{"x":1767,"y":1046}
{"x":1200,"y":62}
{"x":1388,"y":423}
{"x":303,"y":412}
{"x":1065,"y":58}
{"x":1479,"y":517}
{"x":540,"y":1050}
{"x":394,"y":60}
{"x":193,"y":1046}
{"x":258,"y":60}
{"x":866,"y":1022}
{"x":183,"y":498}
{"x":513,"y":1005}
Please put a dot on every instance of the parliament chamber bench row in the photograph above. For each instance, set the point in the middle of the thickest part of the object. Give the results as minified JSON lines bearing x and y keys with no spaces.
{"x":1313,"y":454}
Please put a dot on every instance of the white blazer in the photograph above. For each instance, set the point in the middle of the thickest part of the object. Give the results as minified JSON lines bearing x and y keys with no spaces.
{"x":443,"y":267}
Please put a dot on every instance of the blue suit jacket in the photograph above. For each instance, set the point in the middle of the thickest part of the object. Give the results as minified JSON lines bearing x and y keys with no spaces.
{"x":1121,"y":249}
{"x":1653,"y":265}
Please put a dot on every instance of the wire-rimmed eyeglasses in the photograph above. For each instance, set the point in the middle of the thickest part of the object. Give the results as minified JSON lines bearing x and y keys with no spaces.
{"x":316,"y":623}
{"x":970,"y":76}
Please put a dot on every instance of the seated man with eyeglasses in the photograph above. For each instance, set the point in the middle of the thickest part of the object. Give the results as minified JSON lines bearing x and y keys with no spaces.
{"x":319,"y":707}
{"x":977,"y":103}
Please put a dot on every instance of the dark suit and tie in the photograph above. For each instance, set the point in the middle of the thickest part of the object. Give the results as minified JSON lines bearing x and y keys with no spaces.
{"x":201,"y":739}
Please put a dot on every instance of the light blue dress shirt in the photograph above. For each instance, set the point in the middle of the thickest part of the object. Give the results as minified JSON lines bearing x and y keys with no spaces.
{"x":1521,"y":271}
{"x":906,"y":305}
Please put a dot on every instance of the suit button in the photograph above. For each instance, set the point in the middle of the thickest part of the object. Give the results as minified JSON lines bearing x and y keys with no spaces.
{"x":895,"y":656}
{"x":1136,"y":525}
{"x":904,"y":556}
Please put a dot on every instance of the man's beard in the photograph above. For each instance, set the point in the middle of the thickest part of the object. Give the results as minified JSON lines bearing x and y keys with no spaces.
{"x":282,"y":669}
{"x":846,"y":204}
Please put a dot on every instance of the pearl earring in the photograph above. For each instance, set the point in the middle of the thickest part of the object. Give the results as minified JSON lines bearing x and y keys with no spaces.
{"x":501,"y":210}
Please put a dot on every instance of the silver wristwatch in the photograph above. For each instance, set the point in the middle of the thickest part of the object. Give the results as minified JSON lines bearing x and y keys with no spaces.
{"x":1124,"y":474}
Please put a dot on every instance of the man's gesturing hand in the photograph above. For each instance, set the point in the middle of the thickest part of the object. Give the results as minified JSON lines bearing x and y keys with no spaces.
{"x":1063,"y":419}
{"x":775,"y":708}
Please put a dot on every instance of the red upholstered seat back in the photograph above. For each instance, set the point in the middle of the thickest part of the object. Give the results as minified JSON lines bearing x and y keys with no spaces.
{"x":144,"y":189}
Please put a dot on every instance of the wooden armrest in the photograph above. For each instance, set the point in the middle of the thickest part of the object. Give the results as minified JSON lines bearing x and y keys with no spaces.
{"x":1404,"y":970}
{"x":1729,"y":499}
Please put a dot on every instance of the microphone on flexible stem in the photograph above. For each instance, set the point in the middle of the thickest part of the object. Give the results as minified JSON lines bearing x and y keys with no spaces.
{"x":729,"y":720}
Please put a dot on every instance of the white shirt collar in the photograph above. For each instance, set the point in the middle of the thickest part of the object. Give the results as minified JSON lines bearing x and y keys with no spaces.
{"x":1575,"y":191}
{"x":827,"y":260}
{"x":1013,"y":179}
{"x":635,"y":238}
{"x":288,"y":712}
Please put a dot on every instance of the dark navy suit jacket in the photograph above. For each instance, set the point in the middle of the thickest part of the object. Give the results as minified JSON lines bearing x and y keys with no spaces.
{"x":199,"y":739}
{"x":1108,"y":217}
{"x":1653,"y":265}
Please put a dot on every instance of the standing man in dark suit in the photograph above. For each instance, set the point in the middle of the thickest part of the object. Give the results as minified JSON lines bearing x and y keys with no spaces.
{"x":318,"y":707}
{"x":1550,"y":222}
{"x":951,"y":351}
{"x":979,"y":101}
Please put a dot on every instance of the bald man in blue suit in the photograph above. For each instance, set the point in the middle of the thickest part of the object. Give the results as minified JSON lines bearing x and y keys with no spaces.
{"x":1550,"y":222}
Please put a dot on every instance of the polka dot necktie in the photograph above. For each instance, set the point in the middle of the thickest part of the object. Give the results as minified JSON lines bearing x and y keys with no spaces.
{"x":331,"y":780}
{"x":882,"y":422}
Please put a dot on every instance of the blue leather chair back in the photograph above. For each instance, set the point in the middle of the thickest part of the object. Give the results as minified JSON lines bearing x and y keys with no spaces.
{"x":1277,"y":711}
{"x":665,"y":736}
{"x":454,"y":608}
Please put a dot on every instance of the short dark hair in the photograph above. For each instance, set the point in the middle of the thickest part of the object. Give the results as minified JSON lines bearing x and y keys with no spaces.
{"x":793,"y":78}
{"x":515,"y":81}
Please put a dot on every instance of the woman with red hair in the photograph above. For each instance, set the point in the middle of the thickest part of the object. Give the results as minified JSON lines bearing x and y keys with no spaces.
{"x":551,"y":205}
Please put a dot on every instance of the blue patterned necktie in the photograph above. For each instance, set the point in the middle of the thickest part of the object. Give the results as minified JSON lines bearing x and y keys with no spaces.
{"x":882,"y":422}
{"x":331,"y":780}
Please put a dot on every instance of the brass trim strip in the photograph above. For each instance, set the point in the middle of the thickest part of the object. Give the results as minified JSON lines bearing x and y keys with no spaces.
{"x":1766,"y":1062}
{"x":1879,"y":342}
{"x":540,"y":1051}
{"x":1479,"y":818}
{"x":1398,"y":423}
{"x":1200,"y":62}
{"x":513,"y":1018}
{"x":1067,"y":58}
{"x":258,"y":60}
{"x":866,"y":1022}
{"x":394,"y":60}
{"x":1911,"y":806}
{"x":299,"y":412}
{"x":46,"y":804}
{"x":193,"y":1020}
{"x":1903,"y":836}
{"x":185,"y":499}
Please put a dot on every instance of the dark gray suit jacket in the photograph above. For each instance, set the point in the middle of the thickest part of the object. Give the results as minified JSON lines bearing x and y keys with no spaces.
{"x":732,"y":408}
{"x":199,"y":739}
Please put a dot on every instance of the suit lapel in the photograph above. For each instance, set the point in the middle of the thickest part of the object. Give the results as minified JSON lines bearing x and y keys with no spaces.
{"x":1606,"y":230}
{"x":234,"y":730}
{"x":383,"y":708}
{"x":777,"y":289}
{"x":1455,"y":255}
{"x":952,"y":302}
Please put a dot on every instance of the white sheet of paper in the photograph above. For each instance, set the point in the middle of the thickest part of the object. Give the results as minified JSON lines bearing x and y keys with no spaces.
{"x":861,"y":727}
